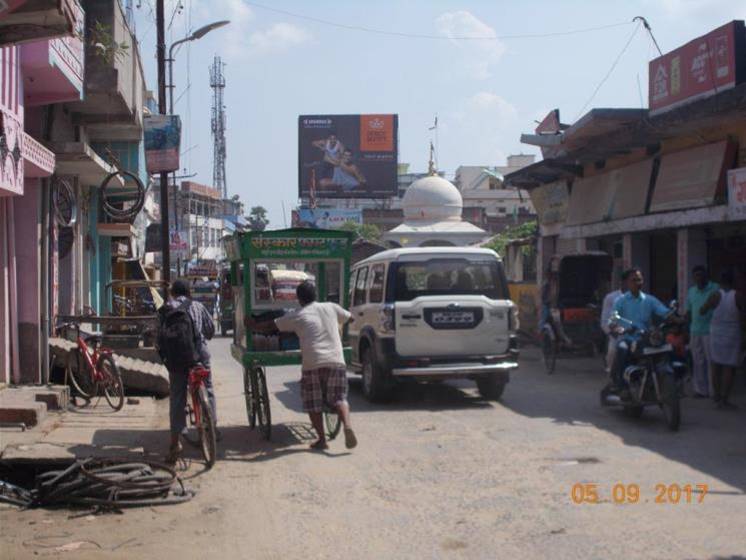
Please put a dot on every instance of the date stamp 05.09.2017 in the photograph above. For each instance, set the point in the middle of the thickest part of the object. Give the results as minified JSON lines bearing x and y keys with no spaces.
{"x":593,"y":493}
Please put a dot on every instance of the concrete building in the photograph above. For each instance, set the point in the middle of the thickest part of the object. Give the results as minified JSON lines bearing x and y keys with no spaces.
{"x":651,"y":188}
{"x":482,"y":188}
{"x":63,"y":106}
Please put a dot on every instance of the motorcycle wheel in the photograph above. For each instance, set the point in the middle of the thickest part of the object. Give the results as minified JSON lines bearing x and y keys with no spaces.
{"x":671,"y":404}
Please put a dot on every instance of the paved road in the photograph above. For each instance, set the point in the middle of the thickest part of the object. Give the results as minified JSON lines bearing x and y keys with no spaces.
{"x":439,"y":473}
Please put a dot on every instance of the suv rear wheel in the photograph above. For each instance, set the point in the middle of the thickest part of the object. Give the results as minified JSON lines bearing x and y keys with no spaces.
{"x":375,"y":385}
{"x":492,"y":386}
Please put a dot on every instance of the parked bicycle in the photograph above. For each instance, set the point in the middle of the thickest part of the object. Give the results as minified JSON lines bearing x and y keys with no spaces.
{"x":200,"y":413}
{"x":92,"y":370}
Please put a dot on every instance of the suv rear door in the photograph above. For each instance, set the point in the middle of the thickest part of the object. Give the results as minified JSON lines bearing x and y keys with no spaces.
{"x":451,"y":306}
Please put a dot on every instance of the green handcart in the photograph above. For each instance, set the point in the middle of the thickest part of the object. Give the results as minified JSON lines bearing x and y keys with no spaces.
{"x":265,"y":269}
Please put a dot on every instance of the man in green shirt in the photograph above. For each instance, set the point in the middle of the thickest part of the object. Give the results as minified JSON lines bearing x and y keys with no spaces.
{"x":699,"y":330}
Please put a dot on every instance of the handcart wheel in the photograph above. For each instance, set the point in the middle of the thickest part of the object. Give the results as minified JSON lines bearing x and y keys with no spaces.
{"x":248,"y":392}
{"x":263,"y":413}
{"x":548,"y":353}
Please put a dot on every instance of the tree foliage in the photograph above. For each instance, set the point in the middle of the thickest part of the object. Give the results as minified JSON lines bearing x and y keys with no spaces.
{"x":369,"y":232}
{"x":501,"y":240}
{"x":258,"y":218}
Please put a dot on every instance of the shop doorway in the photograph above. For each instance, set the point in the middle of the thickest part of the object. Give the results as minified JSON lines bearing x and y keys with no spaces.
{"x":662,"y":282}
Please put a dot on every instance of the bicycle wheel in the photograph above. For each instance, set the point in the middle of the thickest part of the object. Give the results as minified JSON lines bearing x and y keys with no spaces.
{"x":206,"y":428}
{"x":248,"y":393}
{"x":263,"y":413}
{"x":79,"y":375}
{"x":111,"y":382}
{"x":332,"y":423}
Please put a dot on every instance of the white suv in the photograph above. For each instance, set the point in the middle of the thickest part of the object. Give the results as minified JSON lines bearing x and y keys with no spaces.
{"x":431,"y":314}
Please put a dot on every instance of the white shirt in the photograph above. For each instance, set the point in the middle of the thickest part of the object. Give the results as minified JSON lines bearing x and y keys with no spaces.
{"x":317,"y":327}
{"x":607,"y":308}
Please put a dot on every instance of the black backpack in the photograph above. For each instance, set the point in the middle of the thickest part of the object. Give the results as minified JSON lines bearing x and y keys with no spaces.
{"x":177,"y":339}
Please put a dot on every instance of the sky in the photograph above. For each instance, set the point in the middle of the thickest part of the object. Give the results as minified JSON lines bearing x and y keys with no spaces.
{"x":485,"y":92}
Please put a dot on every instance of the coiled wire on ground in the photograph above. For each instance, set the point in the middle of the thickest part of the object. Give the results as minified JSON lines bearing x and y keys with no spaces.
{"x":103,"y":484}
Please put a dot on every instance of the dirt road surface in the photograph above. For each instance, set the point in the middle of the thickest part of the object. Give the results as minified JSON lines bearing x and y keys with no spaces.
{"x":439,"y":473}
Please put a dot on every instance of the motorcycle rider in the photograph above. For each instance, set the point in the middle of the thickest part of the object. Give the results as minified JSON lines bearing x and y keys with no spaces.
{"x":637,"y":308}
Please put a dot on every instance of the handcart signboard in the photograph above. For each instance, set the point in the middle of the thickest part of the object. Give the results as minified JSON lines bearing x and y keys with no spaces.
{"x":297,"y":246}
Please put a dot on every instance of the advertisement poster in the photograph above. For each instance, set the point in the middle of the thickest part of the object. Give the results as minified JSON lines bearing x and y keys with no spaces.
{"x":325,"y":218}
{"x":162,"y":140}
{"x":347,"y":156}
{"x":705,"y":66}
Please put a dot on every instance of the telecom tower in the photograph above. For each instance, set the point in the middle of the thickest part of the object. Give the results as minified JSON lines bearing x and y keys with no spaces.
{"x":217,"y":83}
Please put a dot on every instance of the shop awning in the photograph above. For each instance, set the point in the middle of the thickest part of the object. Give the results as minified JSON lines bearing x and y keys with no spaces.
{"x":692,"y":178}
{"x":590,"y":200}
{"x":630,"y":185}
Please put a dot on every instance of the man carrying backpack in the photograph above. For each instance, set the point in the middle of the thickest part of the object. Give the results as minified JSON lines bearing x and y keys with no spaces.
{"x":185,"y":328}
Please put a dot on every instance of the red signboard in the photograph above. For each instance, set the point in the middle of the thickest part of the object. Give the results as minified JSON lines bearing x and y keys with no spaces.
{"x":550,"y":124}
{"x":705,"y":66}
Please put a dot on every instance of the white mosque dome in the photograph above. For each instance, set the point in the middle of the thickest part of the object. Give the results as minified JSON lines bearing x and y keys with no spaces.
{"x":434,"y":199}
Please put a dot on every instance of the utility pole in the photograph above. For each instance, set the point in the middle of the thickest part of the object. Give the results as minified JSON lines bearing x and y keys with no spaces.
{"x":161,"y":54}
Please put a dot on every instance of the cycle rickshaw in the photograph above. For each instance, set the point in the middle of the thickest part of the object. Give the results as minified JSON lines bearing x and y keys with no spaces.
{"x":577,"y":286}
{"x":265,"y":269}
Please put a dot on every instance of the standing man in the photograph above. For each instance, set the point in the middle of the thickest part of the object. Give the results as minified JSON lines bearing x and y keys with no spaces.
{"x":185,"y":328}
{"x":324,"y":374}
{"x":699,"y":330}
{"x":606,"y":310}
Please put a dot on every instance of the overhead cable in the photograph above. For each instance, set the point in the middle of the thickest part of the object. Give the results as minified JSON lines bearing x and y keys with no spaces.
{"x":390,"y":33}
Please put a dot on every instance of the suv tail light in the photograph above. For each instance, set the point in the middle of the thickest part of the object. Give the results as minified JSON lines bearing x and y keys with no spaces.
{"x":387,"y":318}
{"x":514,"y":322}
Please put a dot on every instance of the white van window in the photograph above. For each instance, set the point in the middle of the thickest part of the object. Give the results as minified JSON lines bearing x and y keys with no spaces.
{"x":447,"y":276}
{"x":359,"y":296}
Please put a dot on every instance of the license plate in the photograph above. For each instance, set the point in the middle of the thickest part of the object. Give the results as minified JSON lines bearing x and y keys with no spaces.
{"x":453,"y":317}
{"x":657,"y":349}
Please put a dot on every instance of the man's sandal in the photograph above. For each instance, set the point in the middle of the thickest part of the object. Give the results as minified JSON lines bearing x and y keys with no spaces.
{"x":350,"y":439}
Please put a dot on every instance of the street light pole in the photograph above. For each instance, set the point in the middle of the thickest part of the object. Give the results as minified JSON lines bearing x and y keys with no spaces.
{"x":198,"y":34}
{"x":161,"y":53}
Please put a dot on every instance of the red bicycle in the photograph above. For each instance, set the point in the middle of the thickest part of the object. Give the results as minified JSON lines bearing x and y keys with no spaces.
{"x":92,"y":370}
{"x":200,"y":413}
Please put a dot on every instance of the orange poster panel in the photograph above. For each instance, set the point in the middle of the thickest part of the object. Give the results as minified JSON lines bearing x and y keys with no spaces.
{"x":376,"y":133}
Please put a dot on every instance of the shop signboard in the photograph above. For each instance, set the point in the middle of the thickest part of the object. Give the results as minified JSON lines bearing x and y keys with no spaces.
{"x":707,"y":65}
{"x":162,"y":140}
{"x":737,"y":193}
{"x":347,"y":156}
{"x":326,"y":218}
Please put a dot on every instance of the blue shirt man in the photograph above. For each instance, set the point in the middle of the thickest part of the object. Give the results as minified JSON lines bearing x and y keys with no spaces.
{"x":638,"y":308}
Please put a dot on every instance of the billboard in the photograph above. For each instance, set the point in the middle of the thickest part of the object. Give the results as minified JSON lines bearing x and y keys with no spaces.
{"x":162,"y":139}
{"x":707,"y":65}
{"x":347,"y":156}
{"x":326,"y":218}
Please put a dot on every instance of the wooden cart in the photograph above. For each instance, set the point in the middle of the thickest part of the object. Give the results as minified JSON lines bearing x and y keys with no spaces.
{"x":265,"y":267}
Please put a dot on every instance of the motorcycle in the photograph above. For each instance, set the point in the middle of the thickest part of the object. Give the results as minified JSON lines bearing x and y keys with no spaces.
{"x":653,"y":377}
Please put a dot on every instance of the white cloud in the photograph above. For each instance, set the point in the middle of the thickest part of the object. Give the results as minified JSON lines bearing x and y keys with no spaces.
{"x":487,"y":125}
{"x":480,"y":55}
{"x":277,"y":38}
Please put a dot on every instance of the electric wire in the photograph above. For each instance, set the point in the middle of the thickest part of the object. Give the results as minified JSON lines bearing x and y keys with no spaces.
{"x":611,"y":70}
{"x":390,"y":33}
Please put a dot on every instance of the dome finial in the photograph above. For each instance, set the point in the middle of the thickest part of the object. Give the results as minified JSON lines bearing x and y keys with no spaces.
{"x":431,"y":164}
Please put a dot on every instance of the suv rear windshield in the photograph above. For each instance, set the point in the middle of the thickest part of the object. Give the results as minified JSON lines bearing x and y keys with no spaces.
{"x":439,"y":277}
